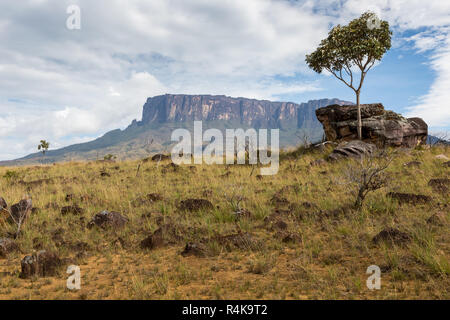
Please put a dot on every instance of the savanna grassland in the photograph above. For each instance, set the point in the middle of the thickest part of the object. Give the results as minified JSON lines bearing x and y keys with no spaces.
{"x":294,"y":235}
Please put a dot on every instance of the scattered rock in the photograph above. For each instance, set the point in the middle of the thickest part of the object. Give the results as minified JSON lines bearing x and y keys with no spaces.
{"x":409,"y":198}
{"x":379,"y":126}
{"x":442,"y":157}
{"x":160,"y":157}
{"x":166,"y":234}
{"x":195,"y":205}
{"x":104,"y":174}
{"x":42,"y":264}
{"x":446,"y":164}
{"x":107,"y":219}
{"x":352,"y":149}
{"x":278,"y":200}
{"x":280,"y":225}
{"x":153,"y":241}
{"x":410,"y":164}
{"x":3,"y":203}
{"x":197,"y":249}
{"x":309,"y":205}
{"x":440,"y":185}
{"x":288,"y":237}
{"x":6,"y":246}
{"x":74,"y":209}
{"x":20,"y":211}
{"x":153,"y":197}
{"x":437,"y":219}
{"x":392,"y":235}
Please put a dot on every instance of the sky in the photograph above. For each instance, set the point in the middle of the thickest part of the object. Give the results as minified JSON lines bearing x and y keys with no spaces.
{"x":72,"y":85}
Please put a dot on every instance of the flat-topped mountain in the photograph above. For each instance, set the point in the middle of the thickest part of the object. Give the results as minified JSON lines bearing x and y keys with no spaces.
{"x":162,"y":114}
{"x":249,"y":112}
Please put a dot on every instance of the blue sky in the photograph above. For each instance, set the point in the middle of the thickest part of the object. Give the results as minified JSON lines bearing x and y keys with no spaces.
{"x":70,"y":86}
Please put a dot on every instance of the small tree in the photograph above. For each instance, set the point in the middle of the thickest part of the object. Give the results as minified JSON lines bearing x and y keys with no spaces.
{"x":356,"y":46}
{"x":368,"y":174}
{"x":43,"y":146}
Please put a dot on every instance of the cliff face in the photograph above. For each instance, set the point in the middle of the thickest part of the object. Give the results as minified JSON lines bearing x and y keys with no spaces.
{"x":248,"y":112}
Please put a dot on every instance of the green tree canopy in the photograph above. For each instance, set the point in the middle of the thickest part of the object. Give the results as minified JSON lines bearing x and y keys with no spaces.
{"x":43,"y":146}
{"x":357,"y":45}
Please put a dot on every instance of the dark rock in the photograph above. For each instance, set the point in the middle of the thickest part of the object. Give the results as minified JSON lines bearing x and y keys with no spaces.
{"x":288,"y":237}
{"x":352,"y":149}
{"x":104,"y":174}
{"x":197,"y":249}
{"x":6,"y":246}
{"x":160,"y":157}
{"x":3,"y":203}
{"x":195,"y":205}
{"x":409,"y":198}
{"x":106,"y":219}
{"x":278,"y":200}
{"x":392,"y":235}
{"x":446,"y":164}
{"x":166,"y":234}
{"x":412,"y":164}
{"x":42,"y":264}
{"x":440,"y":185}
{"x":69,"y":197}
{"x":280,"y":225}
{"x":153,"y":197}
{"x":21,"y":211}
{"x":74,"y":209}
{"x":379,"y":126}
{"x":153,"y":241}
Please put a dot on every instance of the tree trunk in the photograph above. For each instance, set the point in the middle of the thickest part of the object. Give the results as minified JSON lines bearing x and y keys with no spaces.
{"x":359,"y":116}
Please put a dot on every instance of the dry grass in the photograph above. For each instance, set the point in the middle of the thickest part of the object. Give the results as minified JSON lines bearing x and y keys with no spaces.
{"x":327,"y":258}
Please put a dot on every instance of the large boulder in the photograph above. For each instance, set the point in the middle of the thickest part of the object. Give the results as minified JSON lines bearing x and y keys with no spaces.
{"x":379,"y":126}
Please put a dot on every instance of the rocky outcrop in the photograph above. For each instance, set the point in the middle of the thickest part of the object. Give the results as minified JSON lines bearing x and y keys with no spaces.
{"x":379,"y":126}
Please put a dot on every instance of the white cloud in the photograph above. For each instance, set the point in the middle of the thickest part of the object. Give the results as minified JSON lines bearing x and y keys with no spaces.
{"x":66,"y":86}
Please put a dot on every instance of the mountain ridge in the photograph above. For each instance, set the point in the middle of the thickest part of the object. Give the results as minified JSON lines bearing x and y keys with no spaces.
{"x":164,"y":113}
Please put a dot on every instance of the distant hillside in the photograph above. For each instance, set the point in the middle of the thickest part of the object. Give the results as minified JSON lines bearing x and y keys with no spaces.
{"x":162,"y":114}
